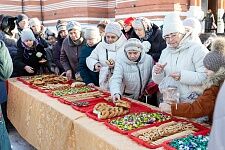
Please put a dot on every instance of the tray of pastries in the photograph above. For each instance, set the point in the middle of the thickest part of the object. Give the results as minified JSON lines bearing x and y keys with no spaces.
{"x":154,"y":136}
{"x":105,"y":110}
{"x":69,"y":99}
{"x":53,"y":87}
{"x":41,"y":80}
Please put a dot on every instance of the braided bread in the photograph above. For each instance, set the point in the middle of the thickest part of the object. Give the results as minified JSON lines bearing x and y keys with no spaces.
{"x":105,"y":111}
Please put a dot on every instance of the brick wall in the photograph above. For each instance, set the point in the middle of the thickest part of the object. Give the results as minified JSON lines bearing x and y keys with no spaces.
{"x":92,"y":11}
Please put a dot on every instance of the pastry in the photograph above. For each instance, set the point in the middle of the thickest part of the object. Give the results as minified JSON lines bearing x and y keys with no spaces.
{"x":122,"y":103}
{"x":105,"y":111}
{"x":77,"y":84}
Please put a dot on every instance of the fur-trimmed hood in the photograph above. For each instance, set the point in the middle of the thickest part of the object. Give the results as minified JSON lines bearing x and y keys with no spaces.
{"x":216,"y":79}
{"x":218,"y":45}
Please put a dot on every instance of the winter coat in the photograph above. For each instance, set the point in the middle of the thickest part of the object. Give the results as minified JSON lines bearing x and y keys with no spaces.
{"x":6,"y":69}
{"x":49,"y":55}
{"x":154,"y":37}
{"x":56,"y":54}
{"x":41,"y":40}
{"x":209,"y":20}
{"x":103,"y":52}
{"x":187,"y":59}
{"x":217,"y":134}
{"x":6,"y":65}
{"x":69,"y":54}
{"x":27,"y":57}
{"x":204,"y":104}
{"x":10,"y":43}
{"x":87,"y":75}
{"x":132,"y":76}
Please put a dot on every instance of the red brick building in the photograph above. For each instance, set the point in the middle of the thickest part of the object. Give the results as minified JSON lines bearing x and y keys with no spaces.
{"x":92,"y":11}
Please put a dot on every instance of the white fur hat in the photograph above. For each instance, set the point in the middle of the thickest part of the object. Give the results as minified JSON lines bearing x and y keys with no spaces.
{"x":172,"y":24}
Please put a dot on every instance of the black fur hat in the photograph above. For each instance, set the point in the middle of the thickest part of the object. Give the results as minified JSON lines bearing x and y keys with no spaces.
{"x":7,"y":24}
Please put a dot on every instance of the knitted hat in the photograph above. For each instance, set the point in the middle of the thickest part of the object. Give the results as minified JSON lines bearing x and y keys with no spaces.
{"x":129,"y":21}
{"x":61,"y":25}
{"x":113,"y":27}
{"x":34,"y":22}
{"x":215,"y":59}
{"x":21,"y":17}
{"x":73,"y":25}
{"x":172,"y":24}
{"x":133,"y":44}
{"x":27,"y":34}
{"x":142,"y":22}
{"x":91,"y":32}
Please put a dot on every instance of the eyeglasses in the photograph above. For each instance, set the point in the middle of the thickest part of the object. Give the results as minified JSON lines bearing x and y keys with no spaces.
{"x":171,"y":36}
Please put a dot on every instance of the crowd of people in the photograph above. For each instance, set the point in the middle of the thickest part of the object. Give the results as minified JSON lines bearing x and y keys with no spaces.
{"x":123,"y":57}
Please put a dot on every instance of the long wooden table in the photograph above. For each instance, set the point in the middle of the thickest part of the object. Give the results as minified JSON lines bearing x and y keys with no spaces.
{"x":48,"y":124}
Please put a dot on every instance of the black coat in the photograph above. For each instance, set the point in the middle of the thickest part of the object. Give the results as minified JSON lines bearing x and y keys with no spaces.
{"x":27,"y":57}
{"x":157,"y":43}
{"x":56,"y":51}
{"x":87,"y":75}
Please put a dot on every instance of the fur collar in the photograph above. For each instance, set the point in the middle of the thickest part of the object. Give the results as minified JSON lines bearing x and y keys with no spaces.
{"x":216,"y":79}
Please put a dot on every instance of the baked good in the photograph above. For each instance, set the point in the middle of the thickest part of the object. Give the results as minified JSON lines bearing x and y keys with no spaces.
{"x":105,"y":111}
{"x":122,"y":103}
{"x":77,"y":84}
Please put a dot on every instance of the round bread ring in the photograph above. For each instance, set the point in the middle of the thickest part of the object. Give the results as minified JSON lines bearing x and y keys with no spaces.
{"x":103,"y":108}
{"x":141,"y":137}
{"x":116,"y":111}
{"x":111,"y":113}
{"x":99,"y":105}
{"x":120,"y":109}
{"x":104,"y":114}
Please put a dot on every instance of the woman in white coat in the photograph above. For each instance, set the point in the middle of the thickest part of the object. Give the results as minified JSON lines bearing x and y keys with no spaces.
{"x":102,"y":58}
{"x":132,"y":71}
{"x":182,"y":59}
